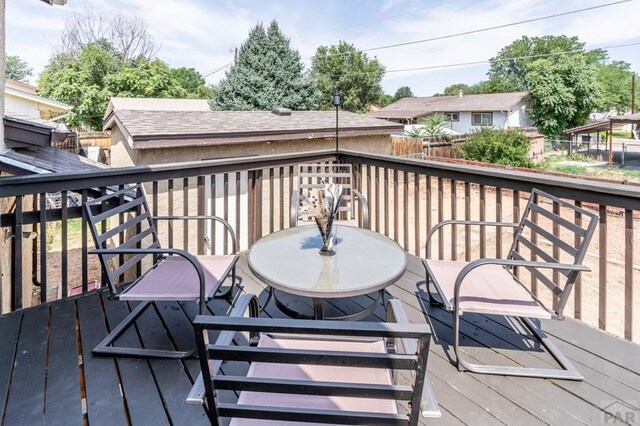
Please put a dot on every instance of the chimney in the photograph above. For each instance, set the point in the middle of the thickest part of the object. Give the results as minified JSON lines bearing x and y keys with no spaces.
{"x":460,"y":93}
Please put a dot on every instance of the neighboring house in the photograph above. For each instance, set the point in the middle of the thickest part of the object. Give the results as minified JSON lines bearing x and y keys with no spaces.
{"x":151,"y":131}
{"x":22,"y":102}
{"x":464,"y":112}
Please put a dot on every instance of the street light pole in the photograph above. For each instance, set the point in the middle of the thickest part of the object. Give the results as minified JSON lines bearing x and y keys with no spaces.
{"x":337,"y":101}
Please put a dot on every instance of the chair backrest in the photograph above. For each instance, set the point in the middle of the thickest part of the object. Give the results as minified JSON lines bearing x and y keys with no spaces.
{"x":553,"y":230}
{"x":298,"y":392}
{"x":314,"y":176}
{"x":129,"y":209}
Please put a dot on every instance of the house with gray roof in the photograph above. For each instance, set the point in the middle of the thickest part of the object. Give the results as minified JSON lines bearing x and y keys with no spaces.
{"x":464,"y":112}
{"x":162,"y":131}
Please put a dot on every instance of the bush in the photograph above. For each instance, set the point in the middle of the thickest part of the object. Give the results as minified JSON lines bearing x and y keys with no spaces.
{"x":506,"y":147}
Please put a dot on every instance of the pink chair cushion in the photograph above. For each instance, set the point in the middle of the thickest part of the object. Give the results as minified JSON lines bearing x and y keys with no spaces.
{"x":489,"y":289}
{"x":317,"y":373}
{"x":175,"y":278}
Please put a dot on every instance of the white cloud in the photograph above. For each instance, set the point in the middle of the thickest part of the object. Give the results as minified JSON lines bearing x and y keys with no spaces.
{"x":202,"y":34}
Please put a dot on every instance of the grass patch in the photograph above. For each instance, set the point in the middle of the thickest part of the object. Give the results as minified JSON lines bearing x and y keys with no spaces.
{"x":570,"y":169}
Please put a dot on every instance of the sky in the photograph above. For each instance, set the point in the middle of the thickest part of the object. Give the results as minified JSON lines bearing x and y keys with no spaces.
{"x":204,"y":33}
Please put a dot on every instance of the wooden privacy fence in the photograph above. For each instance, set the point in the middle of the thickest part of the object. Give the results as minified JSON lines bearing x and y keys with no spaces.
{"x":406,"y":197}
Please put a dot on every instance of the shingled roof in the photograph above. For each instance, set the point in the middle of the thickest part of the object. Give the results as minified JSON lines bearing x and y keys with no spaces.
{"x":411,"y":108}
{"x":162,"y":129}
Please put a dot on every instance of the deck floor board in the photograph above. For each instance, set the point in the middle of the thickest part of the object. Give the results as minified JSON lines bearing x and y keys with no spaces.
{"x":138,"y":391}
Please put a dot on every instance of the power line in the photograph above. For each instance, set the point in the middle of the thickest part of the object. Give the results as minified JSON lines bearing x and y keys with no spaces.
{"x":526,"y":21}
{"x":460,"y":64}
{"x":217,"y":70}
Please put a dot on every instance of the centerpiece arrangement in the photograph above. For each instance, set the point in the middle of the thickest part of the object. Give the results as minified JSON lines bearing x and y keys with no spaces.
{"x":323,"y":205}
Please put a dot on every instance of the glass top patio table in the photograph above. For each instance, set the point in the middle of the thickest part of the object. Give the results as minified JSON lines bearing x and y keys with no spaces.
{"x":289,"y":260}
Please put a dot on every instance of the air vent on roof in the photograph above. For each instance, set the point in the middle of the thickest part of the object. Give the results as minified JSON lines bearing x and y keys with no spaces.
{"x":281,"y":111}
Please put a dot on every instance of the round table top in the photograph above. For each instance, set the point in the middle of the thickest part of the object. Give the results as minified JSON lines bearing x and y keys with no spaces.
{"x":289,"y":260}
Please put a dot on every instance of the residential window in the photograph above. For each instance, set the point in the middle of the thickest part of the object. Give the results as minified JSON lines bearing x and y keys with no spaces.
{"x":452,"y":116}
{"x":482,"y":118}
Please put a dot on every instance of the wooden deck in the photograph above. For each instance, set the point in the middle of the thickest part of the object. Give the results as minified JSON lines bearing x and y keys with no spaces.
{"x":49,"y":376}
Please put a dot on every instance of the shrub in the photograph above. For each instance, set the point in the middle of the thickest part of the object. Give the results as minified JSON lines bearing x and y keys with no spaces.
{"x":506,"y":147}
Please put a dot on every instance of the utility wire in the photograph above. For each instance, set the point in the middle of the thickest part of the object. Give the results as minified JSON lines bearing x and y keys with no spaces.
{"x":217,"y":70}
{"x":480,"y":30}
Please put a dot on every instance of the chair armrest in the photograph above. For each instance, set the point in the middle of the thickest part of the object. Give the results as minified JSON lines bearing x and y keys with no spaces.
{"x":465,"y":222}
{"x":205,"y":217}
{"x":183,"y":253}
{"x":512,"y":262}
{"x":246,"y":301}
{"x":428,"y":405}
{"x":293,"y":212}
{"x":365,"y":207}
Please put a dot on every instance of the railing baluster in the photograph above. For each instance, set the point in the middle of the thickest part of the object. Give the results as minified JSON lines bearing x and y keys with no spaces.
{"x":225,"y":215}
{"x":238,"y":227}
{"x":16,"y":250}
{"x":154,"y":210}
{"x":85,"y":264}
{"x":64,"y":261}
{"x":283,"y":210}
{"x":556,"y":249}
{"x":201,"y":211}
{"x":170,"y":211}
{"x":416,"y":213}
{"x":214,"y":212}
{"x":440,"y":217}
{"x":121,"y":236}
{"x":498,"y":219}
{"x":185,"y":212}
{"x":628,"y":274}
{"x":374,"y":204}
{"x":534,"y":256}
{"x":577,"y":291}
{"x":405,"y":208}
{"x":271,"y":201}
{"x":43,"y":248}
{"x":467,"y":216}
{"x":396,"y":204}
{"x":516,"y":215}
{"x":427,"y":207}
{"x":454,"y":216}
{"x":386,"y":202}
{"x":602,"y":269}
{"x":483,"y":217}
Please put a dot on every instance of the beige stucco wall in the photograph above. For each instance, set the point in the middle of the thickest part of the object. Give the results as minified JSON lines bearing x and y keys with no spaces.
{"x":123,"y":155}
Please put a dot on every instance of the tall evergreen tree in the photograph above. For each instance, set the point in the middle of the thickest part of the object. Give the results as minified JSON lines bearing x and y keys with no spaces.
{"x":268,"y":74}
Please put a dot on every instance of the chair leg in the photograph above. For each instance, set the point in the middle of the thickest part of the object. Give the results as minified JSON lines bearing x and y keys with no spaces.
{"x":567,"y":372}
{"x":229,"y":292}
{"x":103,"y":347}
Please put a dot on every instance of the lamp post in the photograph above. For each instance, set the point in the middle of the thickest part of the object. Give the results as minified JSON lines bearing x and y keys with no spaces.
{"x":337,"y":101}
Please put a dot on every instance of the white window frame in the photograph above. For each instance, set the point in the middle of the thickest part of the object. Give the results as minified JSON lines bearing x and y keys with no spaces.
{"x":482,"y":121}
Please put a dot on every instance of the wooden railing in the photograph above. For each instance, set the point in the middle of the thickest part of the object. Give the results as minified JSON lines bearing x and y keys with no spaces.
{"x":48,"y":246}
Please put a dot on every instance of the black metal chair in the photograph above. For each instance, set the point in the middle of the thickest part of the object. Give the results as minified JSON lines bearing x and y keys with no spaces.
{"x":314,"y":176}
{"x":318,"y":371}
{"x":173,"y":274}
{"x":492,"y":286}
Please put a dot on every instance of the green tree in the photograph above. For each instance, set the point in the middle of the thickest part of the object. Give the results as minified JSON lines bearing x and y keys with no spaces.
{"x":82,"y":83}
{"x":614,"y":82}
{"x":434,"y":125}
{"x":385,"y":99}
{"x":349,"y":70}
{"x":192,"y":82}
{"x":562,"y":92}
{"x":88,"y":81}
{"x":144,"y":79}
{"x":493,"y":85}
{"x":403,"y":92}
{"x":16,"y":68}
{"x":269,"y":74}
{"x":512,"y":62}
{"x":506,"y":147}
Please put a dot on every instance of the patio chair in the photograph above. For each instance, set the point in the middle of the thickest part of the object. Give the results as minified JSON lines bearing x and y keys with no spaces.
{"x":314,"y":176}
{"x":171,"y":275}
{"x":492,"y":286}
{"x":304,"y":371}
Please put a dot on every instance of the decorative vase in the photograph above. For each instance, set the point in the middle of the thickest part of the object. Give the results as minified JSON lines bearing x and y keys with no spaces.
{"x":325,"y":226}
